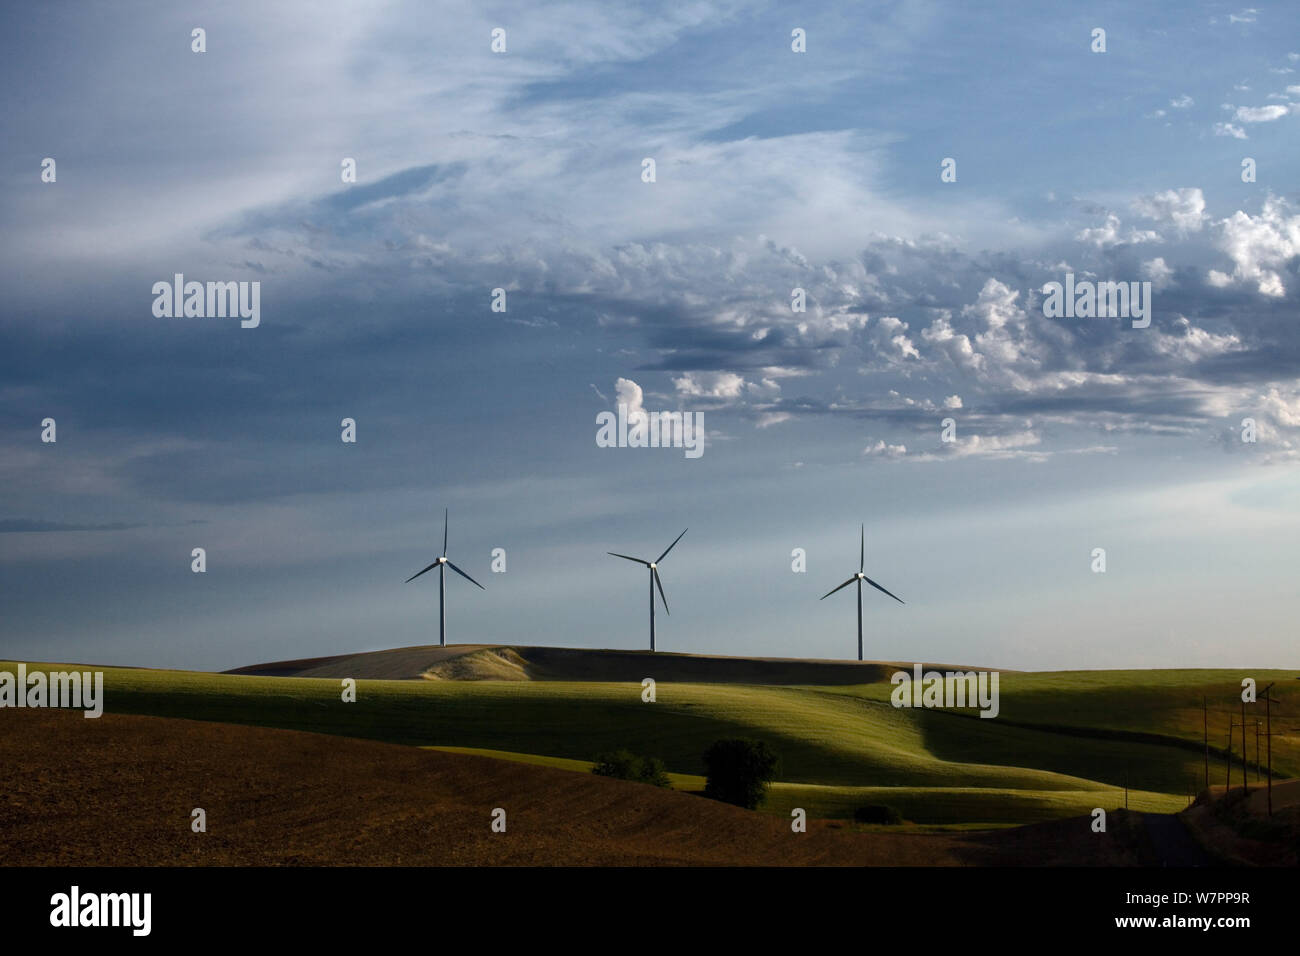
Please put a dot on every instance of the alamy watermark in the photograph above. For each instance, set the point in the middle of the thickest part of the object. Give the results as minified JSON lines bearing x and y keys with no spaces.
{"x":75,"y":908}
{"x":641,"y":429}
{"x":70,"y":689}
{"x":212,"y":300}
{"x":1100,"y":300}
{"x":947,"y":689}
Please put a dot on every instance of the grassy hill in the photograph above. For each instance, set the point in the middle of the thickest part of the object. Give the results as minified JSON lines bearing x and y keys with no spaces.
{"x":494,"y":662}
{"x":1063,"y":743}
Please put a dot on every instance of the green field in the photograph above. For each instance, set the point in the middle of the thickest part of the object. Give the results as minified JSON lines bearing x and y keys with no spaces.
{"x":1063,"y":743}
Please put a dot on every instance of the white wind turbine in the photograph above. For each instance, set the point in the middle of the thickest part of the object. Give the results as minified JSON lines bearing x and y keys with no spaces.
{"x":859,"y":578}
{"x":654,"y":580}
{"x":442,"y":564}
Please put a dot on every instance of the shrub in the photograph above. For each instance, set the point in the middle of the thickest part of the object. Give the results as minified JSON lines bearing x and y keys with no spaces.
{"x":877,"y":813}
{"x":654,"y":773}
{"x":625,"y":765}
{"x":739,"y":771}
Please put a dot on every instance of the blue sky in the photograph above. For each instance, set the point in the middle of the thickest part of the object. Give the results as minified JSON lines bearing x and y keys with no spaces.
{"x":774,"y":170}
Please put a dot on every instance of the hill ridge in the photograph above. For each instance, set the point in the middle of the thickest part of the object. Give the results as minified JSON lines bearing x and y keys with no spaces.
{"x":537,"y":663}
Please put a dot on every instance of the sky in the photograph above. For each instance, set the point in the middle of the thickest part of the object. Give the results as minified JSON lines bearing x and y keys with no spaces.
{"x":524,"y":170}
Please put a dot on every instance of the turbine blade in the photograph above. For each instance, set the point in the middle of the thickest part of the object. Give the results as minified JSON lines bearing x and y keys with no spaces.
{"x":414,"y":576}
{"x":444,"y":532}
{"x":879,"y":588}
{"x":629,"y":558}
{"x":862,"y":548}
{"x":833,"y":590}
{"x":465,"y":576}
{"x":655,"y":573}
{"x":670,"y":547}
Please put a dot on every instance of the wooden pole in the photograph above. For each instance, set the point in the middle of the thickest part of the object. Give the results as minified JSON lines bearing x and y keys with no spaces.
{"x":1205,"y":726}
{"x":1245,"y":784}
{"x":1228,"y":762}
{"x":1258,"y":762}
{"x":1268,"y":737}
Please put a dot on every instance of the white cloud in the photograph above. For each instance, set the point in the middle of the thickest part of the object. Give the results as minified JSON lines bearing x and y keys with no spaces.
{"x":721,"y":385}
{"x":1016,"y":445}
{"x":953,"y":344}
{"x":768,"y":419}
{"x":1181,"y":102}
{"x":888,"y":336}
{"x":1157,"y":273}
{"x":629,"y":393}
{"x":1190,"y":343}
{"x":1184,"y":208}
{"x":1005,"y":341}
{"x":1260,"y":114}
{"x":1227,"y":129}
{"x":1260,"y":247}
{"x":1107,"y":235}
{"x":880,"y":449}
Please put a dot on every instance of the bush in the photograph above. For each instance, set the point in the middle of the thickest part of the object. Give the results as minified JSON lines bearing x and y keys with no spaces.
{"x":654,"y":773}
{"x":877,"y":813}
{"x":619,"y":764}
{"x":625,"y":765}
{"x":739,"y":771}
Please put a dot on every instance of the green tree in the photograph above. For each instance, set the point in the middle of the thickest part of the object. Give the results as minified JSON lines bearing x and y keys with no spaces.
{"x":625,"y":765}
{"x":654,"y":773}
{"x":739,"y":771}
{"x":619,"y":764}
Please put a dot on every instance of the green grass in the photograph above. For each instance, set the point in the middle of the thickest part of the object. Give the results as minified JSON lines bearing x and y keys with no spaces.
{"x":840,"y":746}
{"x":1157,"y":705}
{"x":951,"y":807}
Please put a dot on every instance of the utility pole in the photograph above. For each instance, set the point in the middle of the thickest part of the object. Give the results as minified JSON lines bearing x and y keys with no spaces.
{"x":1227,"y":780}
{"x":1205,"y":727}
{"x":1245,"y":784}
{"x":1258,"y":762}
{"x":1268,"y":736}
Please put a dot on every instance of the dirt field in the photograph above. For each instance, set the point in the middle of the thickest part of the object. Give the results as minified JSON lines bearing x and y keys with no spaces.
{"x":119,"y":791}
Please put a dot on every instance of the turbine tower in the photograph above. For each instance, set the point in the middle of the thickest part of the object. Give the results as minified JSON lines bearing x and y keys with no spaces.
{"x":859,"y":578}
{"x":442,"y":564}
{"x":654,"y":580}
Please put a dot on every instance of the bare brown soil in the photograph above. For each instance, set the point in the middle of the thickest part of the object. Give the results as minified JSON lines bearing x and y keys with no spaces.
{"x":1238,"y":829}
{"x":119,"y":790}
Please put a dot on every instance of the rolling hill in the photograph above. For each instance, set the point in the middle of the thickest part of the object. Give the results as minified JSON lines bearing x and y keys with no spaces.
{"x":1063,"y":743}
{"x":123,"y":789}
{"x":499,"y":662}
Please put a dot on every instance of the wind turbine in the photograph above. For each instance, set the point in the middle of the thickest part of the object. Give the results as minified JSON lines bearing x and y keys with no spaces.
{"x":654,"y":580}
{"x":860,"y":577}
{"x":442,"y":564}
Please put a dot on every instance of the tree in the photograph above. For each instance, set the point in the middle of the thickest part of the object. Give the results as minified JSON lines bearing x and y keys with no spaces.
{"x":654,"y":773}
{"x":877,"y":813}
{"x":739,"y":771}
{"x":625,"y":765}
{"x":619,"y":764}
